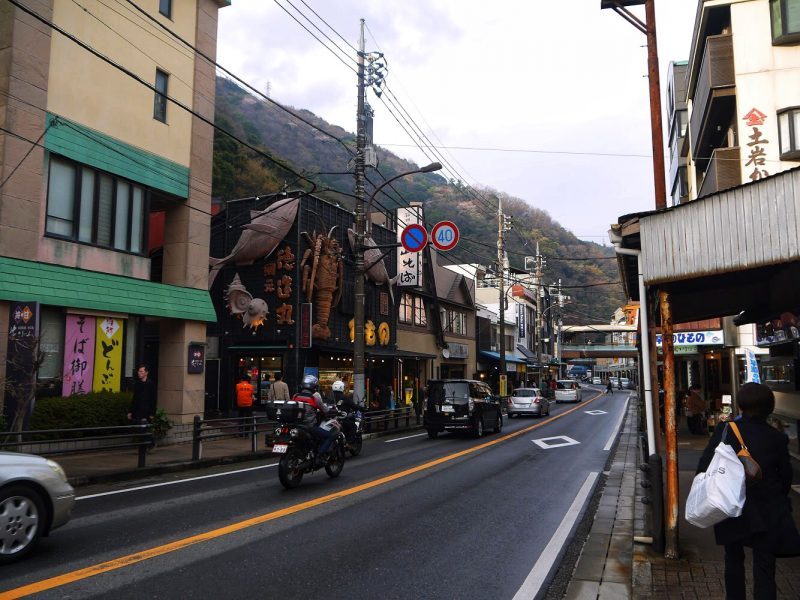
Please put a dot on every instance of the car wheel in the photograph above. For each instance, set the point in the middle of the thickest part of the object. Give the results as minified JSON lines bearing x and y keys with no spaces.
{"x":433,"y":434}
{"x":479,"y":427}
{"x":498,"y":425}
{"x":22,"y":518}
{"x":511,"y":415}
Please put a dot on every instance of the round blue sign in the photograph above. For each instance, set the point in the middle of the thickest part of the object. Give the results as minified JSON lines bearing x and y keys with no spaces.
{"x":414,"y":237}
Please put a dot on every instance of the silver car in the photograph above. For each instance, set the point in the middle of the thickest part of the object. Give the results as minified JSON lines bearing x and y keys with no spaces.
{"x":528,"y":401}
{"x":35,"y":498}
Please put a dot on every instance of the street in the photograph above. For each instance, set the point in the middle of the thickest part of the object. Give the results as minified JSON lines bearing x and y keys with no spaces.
{"x":411,"y":517}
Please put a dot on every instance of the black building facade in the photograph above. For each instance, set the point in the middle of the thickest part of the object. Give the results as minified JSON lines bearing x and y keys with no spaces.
{"x":277,"y":288}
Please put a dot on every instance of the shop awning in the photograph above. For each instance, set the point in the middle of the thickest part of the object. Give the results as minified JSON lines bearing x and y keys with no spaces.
{"x":512,"y":358}
{"x":25,"y":280}
{"x":388,"y":352}
{"x":525,"y":352}
{"x":258,"y":347}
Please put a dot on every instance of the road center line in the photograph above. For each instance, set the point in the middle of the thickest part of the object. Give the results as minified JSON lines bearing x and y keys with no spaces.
{"x":615,"y":431}
{"x":137,"y":557}
{"x":535,"y":579}
{"x":163,"y":483}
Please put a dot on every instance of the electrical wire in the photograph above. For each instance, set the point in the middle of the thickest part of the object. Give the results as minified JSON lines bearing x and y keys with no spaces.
{"x":33,"y":144}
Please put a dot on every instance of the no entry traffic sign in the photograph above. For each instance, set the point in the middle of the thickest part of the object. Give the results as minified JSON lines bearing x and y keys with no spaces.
{"x":444,"y":235}
{"x":414,"y":237}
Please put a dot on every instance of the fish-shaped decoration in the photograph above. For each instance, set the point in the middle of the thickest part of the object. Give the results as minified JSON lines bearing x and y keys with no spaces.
{"x":376,"y":268}
{"x":260,"y":237}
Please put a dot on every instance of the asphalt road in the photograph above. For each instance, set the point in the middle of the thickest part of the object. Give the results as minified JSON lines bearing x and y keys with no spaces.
{"x":409,"y":518}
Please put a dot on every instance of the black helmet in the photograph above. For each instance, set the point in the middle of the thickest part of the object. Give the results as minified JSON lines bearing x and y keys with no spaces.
{"x":310,"y":383}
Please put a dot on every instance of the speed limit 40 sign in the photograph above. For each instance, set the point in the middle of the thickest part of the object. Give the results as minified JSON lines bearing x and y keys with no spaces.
{"x":444,"y":235}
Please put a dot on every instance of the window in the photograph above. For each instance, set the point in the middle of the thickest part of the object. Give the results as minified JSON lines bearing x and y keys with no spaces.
{"x":412,"y":311}
{"x":789,"y":133}
{"x":455,"y":322}
{"x":160,"y":100}
{"x":785,"y":16}
{"x":165,"y":8}
{"x":92,"y":207}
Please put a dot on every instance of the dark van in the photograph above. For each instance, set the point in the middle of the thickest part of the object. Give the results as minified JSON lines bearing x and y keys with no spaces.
{"x":461,"y":405}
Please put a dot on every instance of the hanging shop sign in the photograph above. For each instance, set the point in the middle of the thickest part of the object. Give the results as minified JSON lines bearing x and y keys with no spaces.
{"x":306,"y":316}
{"x":457,"y":350}
{"x":23,"y":341}
{"x":521,"y":321}
{"x":696,"y":338}
{"x":79,"y":342}
{"x":108,"y":356}
{"x":197,"y":358}
{"x":412,"y":238}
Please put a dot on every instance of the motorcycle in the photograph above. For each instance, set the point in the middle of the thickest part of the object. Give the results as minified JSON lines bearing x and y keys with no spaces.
{"x":299,"y":448}
{"x":351,"y":425}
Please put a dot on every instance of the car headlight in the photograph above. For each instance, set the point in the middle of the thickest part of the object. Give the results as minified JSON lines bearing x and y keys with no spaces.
{"x":57,"y":468}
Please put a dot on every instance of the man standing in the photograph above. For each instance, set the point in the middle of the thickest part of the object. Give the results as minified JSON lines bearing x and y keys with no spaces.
{"x":244,"y":403}
{"x":144,"y":397}
{"x":279,"y":389}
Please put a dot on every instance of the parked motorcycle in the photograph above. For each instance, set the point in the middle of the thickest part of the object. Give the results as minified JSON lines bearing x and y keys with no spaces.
{"x":299,"y":448}
{"x":351,"y":427}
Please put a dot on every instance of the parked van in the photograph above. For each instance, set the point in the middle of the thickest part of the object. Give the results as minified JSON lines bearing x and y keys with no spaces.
{"x":461,"y":405}
{"x":568,"y":390}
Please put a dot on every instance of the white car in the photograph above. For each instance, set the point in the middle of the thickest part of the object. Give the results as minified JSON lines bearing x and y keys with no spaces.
{"x":35,"y":498}
{"x":597,"y":381}
{"x":568,"y":390}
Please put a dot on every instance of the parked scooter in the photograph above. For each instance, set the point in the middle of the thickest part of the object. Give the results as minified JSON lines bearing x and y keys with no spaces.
{"x":298,"y":448}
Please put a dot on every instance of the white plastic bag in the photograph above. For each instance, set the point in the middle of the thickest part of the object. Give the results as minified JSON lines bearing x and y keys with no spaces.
{"x":718,"y":493}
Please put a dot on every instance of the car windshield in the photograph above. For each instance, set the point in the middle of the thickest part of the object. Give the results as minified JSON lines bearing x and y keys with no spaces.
{"x":447,"y":391}
{"x":526,"y":393}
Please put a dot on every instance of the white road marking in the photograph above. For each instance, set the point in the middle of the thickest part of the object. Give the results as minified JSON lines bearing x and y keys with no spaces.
{"x":408,"y":437}
{"x":596,"y":412}
{"x":153,"y":485}
{"x":536,"y":578}
{"x":614,"y":432}
{"x":546,"y":444}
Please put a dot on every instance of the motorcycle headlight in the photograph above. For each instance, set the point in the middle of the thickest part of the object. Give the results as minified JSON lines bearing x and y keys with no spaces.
{"x":57,"y":468}
{"x":294,"y":433}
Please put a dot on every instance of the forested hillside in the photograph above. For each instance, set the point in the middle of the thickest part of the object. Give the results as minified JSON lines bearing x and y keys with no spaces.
{"x":326,"y":159}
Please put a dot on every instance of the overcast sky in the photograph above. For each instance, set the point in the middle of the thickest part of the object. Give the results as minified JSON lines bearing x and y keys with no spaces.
{"x":528,"y":84}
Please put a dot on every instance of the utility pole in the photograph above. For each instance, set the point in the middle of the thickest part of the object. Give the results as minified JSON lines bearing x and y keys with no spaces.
{"x":360,"y":231}
{"x":502,"y":227}
{"x":539,"y":262}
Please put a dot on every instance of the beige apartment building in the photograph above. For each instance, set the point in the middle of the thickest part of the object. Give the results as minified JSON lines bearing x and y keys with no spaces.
{"x":89,"y":157}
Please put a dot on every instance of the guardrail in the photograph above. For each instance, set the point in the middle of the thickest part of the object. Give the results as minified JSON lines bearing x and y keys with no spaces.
{"x":214,"y":429}
{"x":81,"y":440}
{"x":384,"y":420}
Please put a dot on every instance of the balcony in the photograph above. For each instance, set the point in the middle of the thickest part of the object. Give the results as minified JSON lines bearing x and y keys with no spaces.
{"x":724,"y":171}
{"x":715,"y":80}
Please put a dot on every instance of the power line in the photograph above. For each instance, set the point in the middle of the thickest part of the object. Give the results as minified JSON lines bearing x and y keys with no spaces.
{"x":22,"y":160}
{"x":532,"y":151}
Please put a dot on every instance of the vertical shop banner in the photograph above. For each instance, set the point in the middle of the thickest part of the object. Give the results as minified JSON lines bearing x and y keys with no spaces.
{"x":78,"y":355}
{"x":108,"y":355}
{"x":409,"y":264}
{"x":751,"y":367}
{"x":23,"y":342}
{"x":521,"y":321}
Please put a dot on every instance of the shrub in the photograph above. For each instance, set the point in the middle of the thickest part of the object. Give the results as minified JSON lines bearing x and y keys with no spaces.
{"x":98,"y":409}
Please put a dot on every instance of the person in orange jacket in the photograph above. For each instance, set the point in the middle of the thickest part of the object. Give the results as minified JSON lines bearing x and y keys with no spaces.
{"x":244,"y":402}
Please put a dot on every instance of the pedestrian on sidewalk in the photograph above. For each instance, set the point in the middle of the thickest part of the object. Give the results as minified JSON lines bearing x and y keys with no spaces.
{"x":766,"y":524}
{"x":144,"y":401}
{"x":696,"y":408}
{"x":244,"y":403}
{"x":609,"y":387}
{"x":279,"y":389}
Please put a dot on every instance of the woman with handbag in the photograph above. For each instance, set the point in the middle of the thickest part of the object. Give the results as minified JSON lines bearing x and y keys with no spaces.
{"x":766,"y":524}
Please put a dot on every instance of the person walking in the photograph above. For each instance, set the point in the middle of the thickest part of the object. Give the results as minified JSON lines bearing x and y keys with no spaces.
{"x":766,"y":524}
{"x":244,"y":403}
{"x":144,"y":397}
{"x":696,"y":409}
{"x":279,"y":389}
{"x":609,"y":387}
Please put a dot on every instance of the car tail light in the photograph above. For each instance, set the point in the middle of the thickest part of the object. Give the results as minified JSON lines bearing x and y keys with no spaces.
{"x":536,"y":401}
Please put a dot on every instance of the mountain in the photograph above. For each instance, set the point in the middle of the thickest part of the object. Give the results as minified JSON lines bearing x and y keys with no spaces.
{"x":307,"y":146}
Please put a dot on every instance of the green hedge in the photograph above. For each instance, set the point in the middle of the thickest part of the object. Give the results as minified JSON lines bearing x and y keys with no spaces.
{"x":98,"y":409}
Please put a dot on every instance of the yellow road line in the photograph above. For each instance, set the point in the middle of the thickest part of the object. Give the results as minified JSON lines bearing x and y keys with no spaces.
{"x":137,"y":557}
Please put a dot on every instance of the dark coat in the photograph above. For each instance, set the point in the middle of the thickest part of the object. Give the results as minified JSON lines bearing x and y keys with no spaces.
{"x":767,"y":506}
{"x":144,"y":400}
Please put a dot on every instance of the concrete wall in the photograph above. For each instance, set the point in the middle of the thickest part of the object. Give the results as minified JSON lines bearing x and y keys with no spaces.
{"x":24,"y":68}
{"x":92,"y":92}
{"x":766,"y":79}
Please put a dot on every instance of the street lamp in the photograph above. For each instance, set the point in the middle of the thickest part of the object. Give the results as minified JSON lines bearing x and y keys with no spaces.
{"x":360,"y":233}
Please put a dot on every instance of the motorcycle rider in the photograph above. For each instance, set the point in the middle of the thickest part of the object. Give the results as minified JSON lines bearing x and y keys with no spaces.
{"x":314,"y":414}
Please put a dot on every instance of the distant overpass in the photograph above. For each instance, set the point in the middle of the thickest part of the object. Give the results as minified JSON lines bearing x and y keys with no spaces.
{"x":572,"y":347}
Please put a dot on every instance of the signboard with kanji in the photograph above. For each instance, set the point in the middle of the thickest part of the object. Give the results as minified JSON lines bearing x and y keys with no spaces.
{"x":409,"y":263}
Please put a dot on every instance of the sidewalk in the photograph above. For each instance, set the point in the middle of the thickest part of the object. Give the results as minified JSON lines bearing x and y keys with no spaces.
{"x":612,"y":565}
